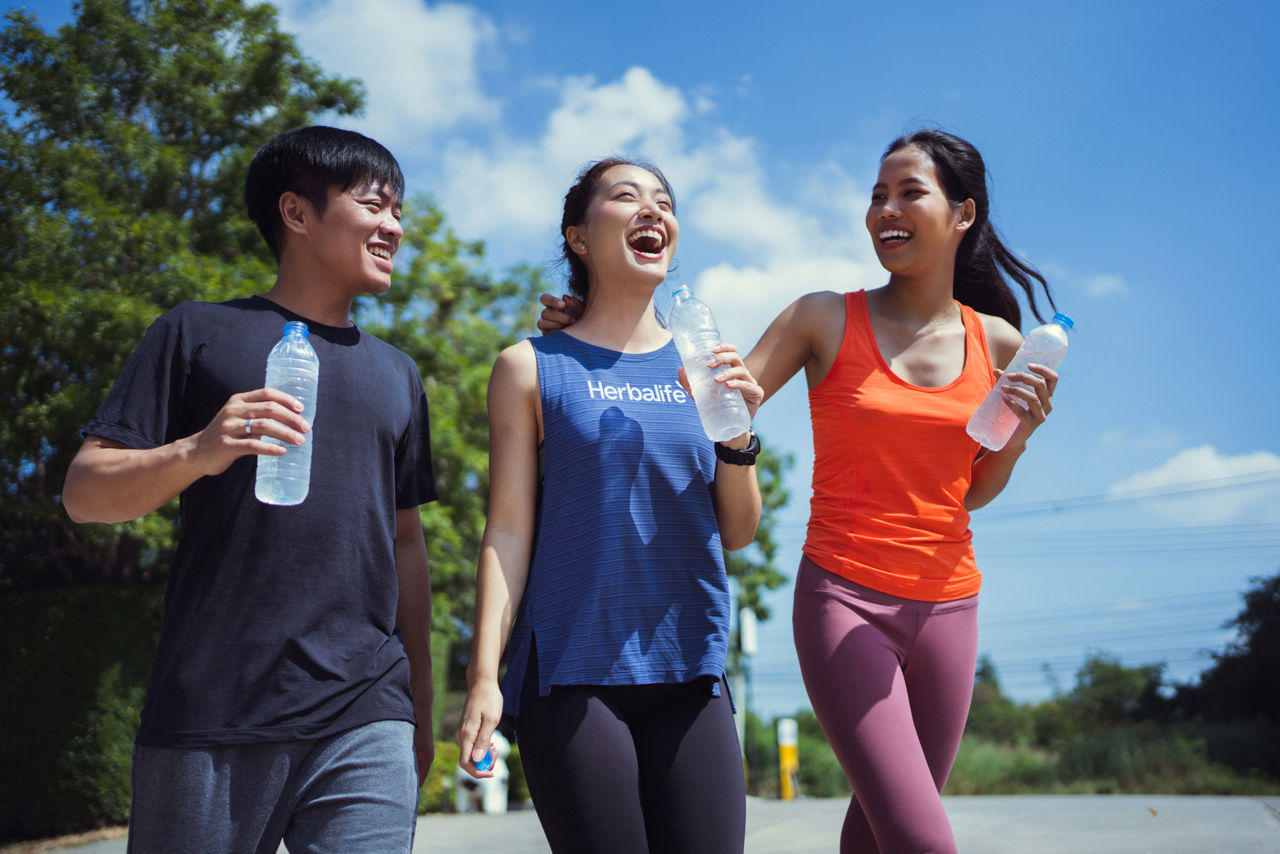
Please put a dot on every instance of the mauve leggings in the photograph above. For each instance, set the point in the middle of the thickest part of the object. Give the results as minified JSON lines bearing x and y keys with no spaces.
{"x":890,"y":680}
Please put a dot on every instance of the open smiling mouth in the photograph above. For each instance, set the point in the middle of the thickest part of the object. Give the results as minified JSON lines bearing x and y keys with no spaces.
{"x":894,"y":236}
{"x":647,"y":241}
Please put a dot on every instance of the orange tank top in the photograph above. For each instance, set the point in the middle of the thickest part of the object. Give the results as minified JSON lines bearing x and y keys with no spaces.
{"x":892,"y":465}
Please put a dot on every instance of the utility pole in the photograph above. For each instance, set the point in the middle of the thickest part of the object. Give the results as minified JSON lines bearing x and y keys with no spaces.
{"x":748,"y":645}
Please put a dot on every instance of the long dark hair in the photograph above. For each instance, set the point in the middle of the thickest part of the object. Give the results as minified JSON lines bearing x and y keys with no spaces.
{"x":576,"y":202}
{"x":979,"y":282}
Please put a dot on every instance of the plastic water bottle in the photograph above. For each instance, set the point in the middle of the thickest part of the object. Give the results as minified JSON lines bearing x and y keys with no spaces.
{"x":722,"y":410}
{"x":994,"y":422}
{"x":292,"y":367}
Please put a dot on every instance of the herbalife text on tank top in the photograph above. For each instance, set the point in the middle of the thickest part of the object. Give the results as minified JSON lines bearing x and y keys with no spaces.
{"x":667,"y":393}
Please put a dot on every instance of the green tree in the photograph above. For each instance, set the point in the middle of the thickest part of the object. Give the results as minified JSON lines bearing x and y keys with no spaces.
{"x":755,"y":568}
{"x":1107,"y":692}
{"x":993,"y":715}
{"x":1242,"y":684}
{"x":122,"y":159}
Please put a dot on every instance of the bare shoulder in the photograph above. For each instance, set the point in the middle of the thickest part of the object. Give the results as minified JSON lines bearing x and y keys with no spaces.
{"x":816,"y":318}
{"x":819,"y":303}
{"x":516,"y":368}
{"x":1003,"y":339}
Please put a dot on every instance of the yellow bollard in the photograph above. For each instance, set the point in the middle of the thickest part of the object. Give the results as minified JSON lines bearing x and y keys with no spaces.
{"x":788,"y":758}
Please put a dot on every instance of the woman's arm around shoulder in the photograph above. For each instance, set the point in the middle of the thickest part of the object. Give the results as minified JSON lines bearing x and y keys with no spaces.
{"x":1031,"y":399}
{"x":503,"y":566}
{"x":807,"y":334}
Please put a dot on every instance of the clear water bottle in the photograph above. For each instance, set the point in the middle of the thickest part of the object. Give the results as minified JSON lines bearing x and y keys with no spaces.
{"x":994,"y":422}
{"x":292,"y":367}
{"x":722,"y":410}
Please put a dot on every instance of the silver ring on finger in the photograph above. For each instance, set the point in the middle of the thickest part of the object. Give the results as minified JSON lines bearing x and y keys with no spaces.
{"x":248,"y":427}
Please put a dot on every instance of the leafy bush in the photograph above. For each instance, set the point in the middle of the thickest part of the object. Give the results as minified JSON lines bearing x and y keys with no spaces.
{"x":820,"y":773}
{"x":74,"y":674}
{"x":1249,"y":748}
{"x":1144,"y":759}
{"x":436,"y":794}
{"x":517,"y":786}
{"x":983,"y":767}
{"x":760,"y":755}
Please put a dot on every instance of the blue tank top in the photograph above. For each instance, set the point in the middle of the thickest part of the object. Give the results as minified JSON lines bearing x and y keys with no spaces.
{"x":627,"y":584}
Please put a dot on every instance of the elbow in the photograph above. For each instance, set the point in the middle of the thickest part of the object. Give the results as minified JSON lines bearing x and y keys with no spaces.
{"x":72,"y":502}
{"x":77,"y":500}
{"x":976,"y":501}
{"x":739,"y":537}
{"x":80,"y":513}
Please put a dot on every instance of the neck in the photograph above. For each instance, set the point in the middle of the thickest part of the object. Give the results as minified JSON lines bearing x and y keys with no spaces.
{"x":620,"y":319}
{"x":309,"y":294}
{"x":923,"y":298}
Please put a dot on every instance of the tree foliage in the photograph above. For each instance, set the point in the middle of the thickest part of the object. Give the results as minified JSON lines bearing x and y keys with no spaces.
{"x":755,"y":568}
{"x":1242,"y":684}
{"x":122,"y":162}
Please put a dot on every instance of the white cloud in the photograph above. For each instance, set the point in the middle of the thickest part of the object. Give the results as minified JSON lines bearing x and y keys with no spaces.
{"x":1150,"y":439}
{"x":1094,"y":285}
{"x":514,"y":188}
{"x":419,"y":63}
{"x":637,"y":112}
{"x":1240,"y":502}
{"x":1105,"y":285}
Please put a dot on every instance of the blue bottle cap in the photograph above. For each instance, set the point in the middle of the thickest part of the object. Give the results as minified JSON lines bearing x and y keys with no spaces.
{"x":1063,"y":321}
{"x":487,"y":762}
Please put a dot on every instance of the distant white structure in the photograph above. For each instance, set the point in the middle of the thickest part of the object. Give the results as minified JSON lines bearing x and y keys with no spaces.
{"x":490,"y":794}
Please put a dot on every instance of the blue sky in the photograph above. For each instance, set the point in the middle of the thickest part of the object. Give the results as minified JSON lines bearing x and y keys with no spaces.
{"x":1132,"y":148}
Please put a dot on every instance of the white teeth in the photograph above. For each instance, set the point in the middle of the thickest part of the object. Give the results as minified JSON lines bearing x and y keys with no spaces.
{"x":650,"y":233}
{"x":380,"y":252}
{"x":894,"y":233}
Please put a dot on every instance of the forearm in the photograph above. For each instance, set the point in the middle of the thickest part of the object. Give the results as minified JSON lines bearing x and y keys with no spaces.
{"x":501,"y":576}
{"x":737,"y":502}
{"x":110,"y":482}
{"x":413,"y":608}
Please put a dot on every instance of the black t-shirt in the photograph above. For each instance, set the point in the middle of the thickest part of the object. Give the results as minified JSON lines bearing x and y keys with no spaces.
{"x":279,"y":622}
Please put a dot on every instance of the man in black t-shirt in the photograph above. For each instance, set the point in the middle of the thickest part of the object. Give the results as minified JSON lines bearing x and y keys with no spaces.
{"x":294,"y":656}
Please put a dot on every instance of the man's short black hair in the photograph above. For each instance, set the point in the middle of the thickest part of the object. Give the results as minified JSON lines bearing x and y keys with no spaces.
{"x":310,"y":161}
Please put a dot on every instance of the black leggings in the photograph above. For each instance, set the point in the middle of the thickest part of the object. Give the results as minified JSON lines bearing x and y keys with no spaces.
{"x":633,"y":768}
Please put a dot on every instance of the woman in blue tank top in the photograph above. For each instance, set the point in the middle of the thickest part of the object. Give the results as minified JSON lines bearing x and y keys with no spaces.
{"x":601,"y":569}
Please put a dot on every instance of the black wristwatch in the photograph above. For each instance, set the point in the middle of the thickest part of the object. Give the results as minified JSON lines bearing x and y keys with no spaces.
{"x":740,"y":457}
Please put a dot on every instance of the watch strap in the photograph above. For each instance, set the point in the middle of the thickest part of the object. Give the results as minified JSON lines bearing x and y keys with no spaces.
{"x":740,"y":456}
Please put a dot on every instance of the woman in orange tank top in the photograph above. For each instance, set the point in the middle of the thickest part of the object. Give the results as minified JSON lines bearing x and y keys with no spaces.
{"x":885,"y":616}
{"x":885,"y":612}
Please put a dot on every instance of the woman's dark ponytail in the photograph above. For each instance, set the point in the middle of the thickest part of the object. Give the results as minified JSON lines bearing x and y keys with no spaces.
{"x":982,"y":261}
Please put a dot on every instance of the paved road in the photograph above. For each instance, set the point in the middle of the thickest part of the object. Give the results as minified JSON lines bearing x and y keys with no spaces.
{"x":1059,"y":824}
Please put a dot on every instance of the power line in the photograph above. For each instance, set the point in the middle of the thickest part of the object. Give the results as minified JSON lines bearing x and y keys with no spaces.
{"x":1138,"y":610}
{"x":1058,"y":505}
